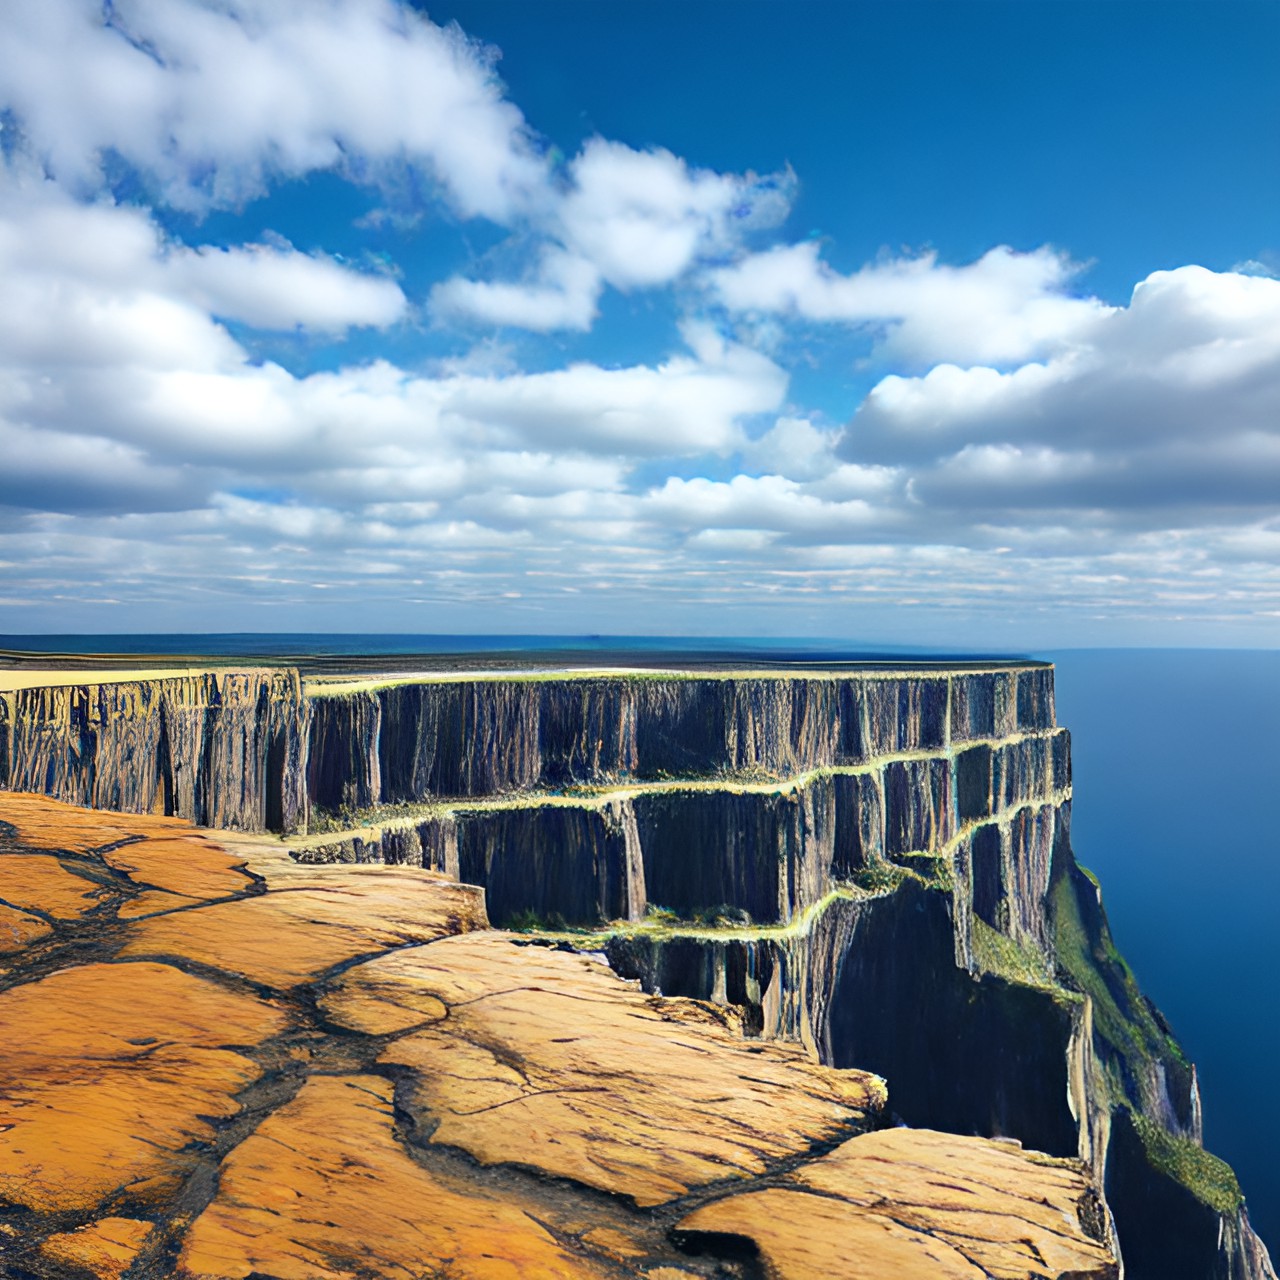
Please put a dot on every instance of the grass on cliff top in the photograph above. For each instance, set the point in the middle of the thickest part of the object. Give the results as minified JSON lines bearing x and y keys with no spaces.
{"x":356,"y":821}
{"x":1212,"y":1181}
{"x":337,"y":686}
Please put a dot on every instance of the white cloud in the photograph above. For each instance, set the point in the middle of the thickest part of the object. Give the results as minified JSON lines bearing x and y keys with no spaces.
{"x":1005,"y":307}
{"x":108,"y":332}
{"x":1167,"y":420}
{"x":1029,"y":445}
{"x":793,"y":447}
{"x":641,"y":217}
{"x":686,"y":406}
{"x":761,"y":503}
{"x":563,"y":296}
{"x":71,"y":472}
{"x":98,"y":284}
{"x":268,"y":288}
{"x":631,"y":219}
{"x":213,"y":101}
{"x":1195,"y":357}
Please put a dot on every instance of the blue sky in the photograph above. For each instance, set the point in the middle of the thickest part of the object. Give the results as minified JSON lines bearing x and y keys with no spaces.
{"x":945,"y":324}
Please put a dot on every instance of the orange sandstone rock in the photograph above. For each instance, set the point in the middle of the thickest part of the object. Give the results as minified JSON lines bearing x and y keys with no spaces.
{"x":548,"y":1059}
{"x":115,"y":1075}
{"x":40,"y":882}
{"x":291,"y":936}
{"x":152,"y":902}
{"x":324,"y":1191}
{"x":908,"y":1203}
{"x":43,"y":823}
{"x":187,"y":864}
{"x":104,"y":1249}
{"x":111,"y":1070}
{"x":18,"y":930}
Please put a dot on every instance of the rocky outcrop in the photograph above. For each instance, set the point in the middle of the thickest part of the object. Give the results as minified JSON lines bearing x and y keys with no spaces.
{"x":320,"y":1073}
{"x":900,"y":1225}
{"x":449,"y":738}
{"x":994,"y":1002}
{"x":758,"y":851}
{"x":248,"y":750}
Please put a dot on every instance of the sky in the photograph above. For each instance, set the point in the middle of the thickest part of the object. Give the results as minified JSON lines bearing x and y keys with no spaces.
{"x":950,"y":324}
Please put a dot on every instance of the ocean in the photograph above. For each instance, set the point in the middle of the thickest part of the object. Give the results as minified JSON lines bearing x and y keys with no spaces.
{"x":1176,"y":758}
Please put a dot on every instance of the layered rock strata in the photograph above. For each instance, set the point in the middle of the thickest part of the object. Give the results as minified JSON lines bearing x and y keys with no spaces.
{"x":878,"y":868}
{"x":339,"y":1073}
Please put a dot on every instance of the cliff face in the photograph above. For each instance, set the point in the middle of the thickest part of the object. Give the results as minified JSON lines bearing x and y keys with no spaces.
{"x":225,"y":750}
{"x":454,"y":738}
{"x":748,"y":797}
{"x":876,"y":865}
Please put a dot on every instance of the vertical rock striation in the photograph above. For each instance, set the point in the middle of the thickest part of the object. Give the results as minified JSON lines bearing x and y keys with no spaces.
{"x":223,"y":749}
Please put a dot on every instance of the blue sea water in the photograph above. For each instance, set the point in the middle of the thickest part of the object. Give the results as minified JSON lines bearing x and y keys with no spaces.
{"x":1177,"y":809}
{"x":1176,"y":757}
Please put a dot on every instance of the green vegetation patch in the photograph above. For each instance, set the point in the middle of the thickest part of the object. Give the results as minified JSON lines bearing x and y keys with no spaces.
{"x":1121,"y":1014}
{"x":347,"y":818}
{"x":1210,"y":1180}
{"x":1013,"y":958}
{"x":880,"y":877}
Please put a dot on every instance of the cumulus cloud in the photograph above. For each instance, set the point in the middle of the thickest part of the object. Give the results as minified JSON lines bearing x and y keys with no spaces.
{"x":793,"y":447}
{"x":212,"y":102}
{"x":686,"y":406}
{"x":1172,"y":404}
{"x":98,"y":283}
{"x":269,"y":288}
{"x":116,"y":374}
{"x":1005,"y":307}
{"x":627,"y":218}
{"x":562,"y":295}
{"x":763,"y":504}
{"x":641,"y":217}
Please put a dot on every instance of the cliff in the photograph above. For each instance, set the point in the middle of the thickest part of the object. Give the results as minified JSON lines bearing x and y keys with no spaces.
{"x":875,"y":864}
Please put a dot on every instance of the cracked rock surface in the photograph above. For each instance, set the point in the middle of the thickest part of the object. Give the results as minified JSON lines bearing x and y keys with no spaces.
{"x":219,"y":1063}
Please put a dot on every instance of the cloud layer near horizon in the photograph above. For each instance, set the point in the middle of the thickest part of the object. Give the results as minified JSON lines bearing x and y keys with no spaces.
{"x":1024,"y":451}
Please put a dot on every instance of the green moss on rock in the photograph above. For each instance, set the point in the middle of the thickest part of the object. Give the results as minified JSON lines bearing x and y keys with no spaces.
{"x":1212,"y":1181}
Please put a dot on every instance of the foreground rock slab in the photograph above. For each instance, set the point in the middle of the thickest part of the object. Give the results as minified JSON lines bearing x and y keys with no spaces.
{"x":909,"y":1202}
{"x":219,"y":1064}
{"x":324,"y":1188}
{"x":111,"y":1072}
{"x":546,"y":1059}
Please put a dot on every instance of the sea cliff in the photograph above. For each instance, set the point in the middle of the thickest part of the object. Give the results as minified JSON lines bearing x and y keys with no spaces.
{"x":874,"y":864}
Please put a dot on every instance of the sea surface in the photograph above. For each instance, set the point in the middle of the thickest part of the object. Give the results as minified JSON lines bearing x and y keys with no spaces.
{"x":1176,"y":770}
{"x":1176,"y":758}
